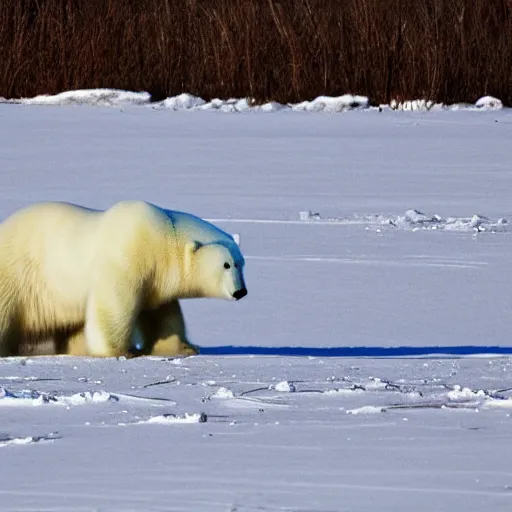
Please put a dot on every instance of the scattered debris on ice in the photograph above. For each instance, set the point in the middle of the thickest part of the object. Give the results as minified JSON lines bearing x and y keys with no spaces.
{"x":223,"y":392}
{"x":36,"y":398}
{"x":166,"y":419}
{"x":86,"y":397}
{"x":414,"y":219}
{"x":366,"y":409}
{"x":464,"y":393}
{"x":376,"y":384}
{"x":7,"y":440}
{"x":309,"y":215}
{"x":285,"y":387}
{"x":343,"y":391}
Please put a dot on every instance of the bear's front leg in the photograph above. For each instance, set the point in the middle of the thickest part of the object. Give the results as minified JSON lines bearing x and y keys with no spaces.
{"x":111,"y":313}
{"x":164,"y":331}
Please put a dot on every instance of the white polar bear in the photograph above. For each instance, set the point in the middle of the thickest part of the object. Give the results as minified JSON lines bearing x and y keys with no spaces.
{"x":100,"y":283}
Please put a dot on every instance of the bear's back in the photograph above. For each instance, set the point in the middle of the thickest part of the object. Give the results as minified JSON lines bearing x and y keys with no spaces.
{"x":46,"y":228}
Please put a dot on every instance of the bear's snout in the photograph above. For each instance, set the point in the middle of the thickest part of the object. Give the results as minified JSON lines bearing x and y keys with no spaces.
{"x":240,"y":294}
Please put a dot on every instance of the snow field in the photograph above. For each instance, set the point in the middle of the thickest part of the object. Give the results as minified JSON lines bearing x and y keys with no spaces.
{"x":365,"y":231}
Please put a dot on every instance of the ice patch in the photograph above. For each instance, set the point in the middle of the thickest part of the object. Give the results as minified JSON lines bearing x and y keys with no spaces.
{"x":7,"y":440}
{"x":416,"y":217}
{"x":376,"y":384}
{"x":499,"y":404}
{"x":367,"y":409}
{"x":97,"y":397}
{"x":343,"y":391}
{"x":223,"y":392}
{"x":285,"y":387}
{"x":16,"y":440}
{"x":460,"y":393}
{"x":167,"y":419}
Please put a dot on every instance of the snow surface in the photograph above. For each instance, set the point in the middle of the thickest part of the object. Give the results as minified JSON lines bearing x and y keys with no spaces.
{"x":367,"y":232}
{"x":355,"y":434}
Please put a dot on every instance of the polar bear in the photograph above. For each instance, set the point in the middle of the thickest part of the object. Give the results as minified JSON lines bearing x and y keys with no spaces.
{"x":108,"y":283}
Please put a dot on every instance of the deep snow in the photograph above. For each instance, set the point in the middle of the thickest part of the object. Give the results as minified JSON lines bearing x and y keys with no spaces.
{"x":365,"y":230}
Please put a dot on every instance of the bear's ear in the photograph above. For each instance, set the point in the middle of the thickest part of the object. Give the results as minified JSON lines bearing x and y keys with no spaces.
{"x":195,"y":246}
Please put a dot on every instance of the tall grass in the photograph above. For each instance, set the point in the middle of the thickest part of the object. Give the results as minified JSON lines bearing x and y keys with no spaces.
{"x":283,"y":50}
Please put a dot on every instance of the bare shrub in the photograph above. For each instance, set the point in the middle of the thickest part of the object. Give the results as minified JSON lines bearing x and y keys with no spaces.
{"x":283,"y":50}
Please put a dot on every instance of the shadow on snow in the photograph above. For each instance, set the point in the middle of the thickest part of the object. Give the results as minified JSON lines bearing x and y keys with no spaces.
{"x":456,"y":351}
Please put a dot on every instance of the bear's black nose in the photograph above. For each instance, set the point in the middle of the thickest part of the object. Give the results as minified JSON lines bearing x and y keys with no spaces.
{"x":240,"y":294}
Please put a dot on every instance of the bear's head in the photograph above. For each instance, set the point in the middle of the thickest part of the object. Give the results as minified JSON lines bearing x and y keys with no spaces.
{"x":218,"y":269}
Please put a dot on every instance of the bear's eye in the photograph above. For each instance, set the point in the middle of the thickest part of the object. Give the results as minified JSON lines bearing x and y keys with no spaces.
{"x":227,"y":265}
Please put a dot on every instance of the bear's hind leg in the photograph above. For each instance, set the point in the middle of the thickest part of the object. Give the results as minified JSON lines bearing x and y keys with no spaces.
{"x":10,"y":332}
{"x":9,"y":342}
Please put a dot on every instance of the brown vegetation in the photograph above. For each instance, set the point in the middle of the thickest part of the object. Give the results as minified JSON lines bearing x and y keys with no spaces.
{"x":283,"y":50}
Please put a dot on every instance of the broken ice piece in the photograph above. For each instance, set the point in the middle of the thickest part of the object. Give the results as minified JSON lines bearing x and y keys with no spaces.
{"x":416,"y":217}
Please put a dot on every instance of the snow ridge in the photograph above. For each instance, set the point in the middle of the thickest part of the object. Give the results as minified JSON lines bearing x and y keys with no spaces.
{"x":119,"y":98}
{"x":36,"y":398}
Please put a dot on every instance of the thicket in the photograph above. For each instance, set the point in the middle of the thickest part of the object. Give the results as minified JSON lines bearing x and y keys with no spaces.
{"x":283,"y":50}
